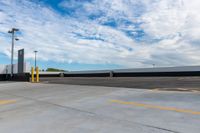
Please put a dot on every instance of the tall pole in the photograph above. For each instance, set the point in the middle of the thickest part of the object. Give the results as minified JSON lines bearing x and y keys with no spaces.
{"x":35,"y":59}
{"x":12,"y":53}
{"x":12,"y":31}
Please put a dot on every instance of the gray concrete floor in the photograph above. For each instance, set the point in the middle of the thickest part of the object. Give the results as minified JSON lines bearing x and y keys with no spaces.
{"x":59,"y":108}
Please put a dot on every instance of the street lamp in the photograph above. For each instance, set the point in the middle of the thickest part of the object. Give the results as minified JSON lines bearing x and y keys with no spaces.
{"x":12,"y":31}
{"x":35,"y":59}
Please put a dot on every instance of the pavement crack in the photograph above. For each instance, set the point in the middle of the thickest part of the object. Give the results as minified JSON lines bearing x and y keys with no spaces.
{"x":133,"y":122}
{"x":160,"y":128}
{"x":54,"y":104}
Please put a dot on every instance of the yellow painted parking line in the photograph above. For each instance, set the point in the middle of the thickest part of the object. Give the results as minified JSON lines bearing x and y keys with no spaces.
{"x":2,"y":102}
{"x":157,"y":107}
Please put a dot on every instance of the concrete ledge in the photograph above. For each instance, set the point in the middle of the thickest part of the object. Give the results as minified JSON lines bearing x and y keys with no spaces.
{"x":2,"y":77}
{"x":50,"y":75}
{"x":156,"y":74}
{"x":133,"y":74}
{"x":21,"y":77}
{"x":16,"y":77}
{"x":87,"y":74}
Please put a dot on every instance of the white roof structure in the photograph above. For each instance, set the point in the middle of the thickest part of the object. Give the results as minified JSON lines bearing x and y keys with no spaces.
{"x":7,"y":68}
{"x":139,"y":70}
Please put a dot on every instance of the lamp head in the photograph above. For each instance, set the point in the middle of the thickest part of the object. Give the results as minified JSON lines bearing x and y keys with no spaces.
{"x":15,"y":29}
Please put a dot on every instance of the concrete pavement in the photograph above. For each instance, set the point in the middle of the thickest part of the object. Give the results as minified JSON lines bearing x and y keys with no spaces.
{"x":59,"y":108}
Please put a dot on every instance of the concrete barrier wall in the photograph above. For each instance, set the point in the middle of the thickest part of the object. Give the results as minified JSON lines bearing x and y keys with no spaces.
{"x":5,"y":71}
{"x":16,"y":77}
{"x":50,"y":74}
{"x":149,"y":72}
{"x":3,"y":77}
{"x":135,"y":74}
{"x":156,"y":74}
{"x":87,"y":75}
{"x":21,"y":77}
{"x":139,"y":72}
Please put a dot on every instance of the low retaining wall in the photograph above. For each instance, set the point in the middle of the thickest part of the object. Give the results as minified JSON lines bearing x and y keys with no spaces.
{"x":157,"y":74}
{"x":16,"y":77}
{"x":139,"y":72}
{"x":50,"y":75}
{"x":26,"y":76}
{"x":135,"y":74}
{"x":3,"y":77}
{"x":87,"y":75}
{"x":21,"y":77}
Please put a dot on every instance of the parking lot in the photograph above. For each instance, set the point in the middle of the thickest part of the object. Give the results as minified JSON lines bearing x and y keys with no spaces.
{"x":62,"y":108}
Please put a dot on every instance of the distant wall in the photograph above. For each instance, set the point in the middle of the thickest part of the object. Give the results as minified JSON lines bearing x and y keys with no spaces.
{"x":2,"y":68}
{"x":139,"y":72}
{"x":106,"y":74}
{"x":2,"y":77}
{"x":16,"y":77}
{"x":6,"y":69}
{"x":134,"y":74}
{"x":50,"y":74}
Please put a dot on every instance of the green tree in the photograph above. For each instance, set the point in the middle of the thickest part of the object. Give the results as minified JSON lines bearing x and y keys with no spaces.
{"x":54,"y":70}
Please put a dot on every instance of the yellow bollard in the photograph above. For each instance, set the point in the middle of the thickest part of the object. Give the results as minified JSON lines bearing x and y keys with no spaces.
{"x":37,"y":75}
{"x":32,"y":75}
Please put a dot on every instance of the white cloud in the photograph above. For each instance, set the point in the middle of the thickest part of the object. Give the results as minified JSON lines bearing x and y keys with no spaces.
{"x":177,"y":24}
{"x":70,"y":39}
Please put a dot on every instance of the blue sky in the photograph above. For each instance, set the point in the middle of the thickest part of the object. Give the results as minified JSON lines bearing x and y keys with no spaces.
{"x":94,"y":34}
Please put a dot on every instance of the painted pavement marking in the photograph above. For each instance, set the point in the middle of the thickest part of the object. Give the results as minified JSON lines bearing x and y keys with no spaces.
{"x":156,"y":107}
{"x":2,"y":102}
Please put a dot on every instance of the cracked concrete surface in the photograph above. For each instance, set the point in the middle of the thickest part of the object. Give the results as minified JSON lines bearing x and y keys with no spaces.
{"x":59,"y":108}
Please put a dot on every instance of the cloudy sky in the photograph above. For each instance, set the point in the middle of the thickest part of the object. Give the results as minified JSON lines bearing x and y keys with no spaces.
{"x":103,"y":34}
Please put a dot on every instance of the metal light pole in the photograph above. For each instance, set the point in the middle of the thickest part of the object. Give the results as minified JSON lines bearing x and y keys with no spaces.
{"x":12,"y":31}
{"x":35,"y":59}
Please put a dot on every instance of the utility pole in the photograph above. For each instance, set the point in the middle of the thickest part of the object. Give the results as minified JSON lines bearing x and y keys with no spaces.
{"x":12,"y":32}
{"x":35,"y":58}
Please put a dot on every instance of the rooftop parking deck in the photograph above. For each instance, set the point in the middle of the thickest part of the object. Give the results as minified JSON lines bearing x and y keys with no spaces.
{"x":59,"y":108}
